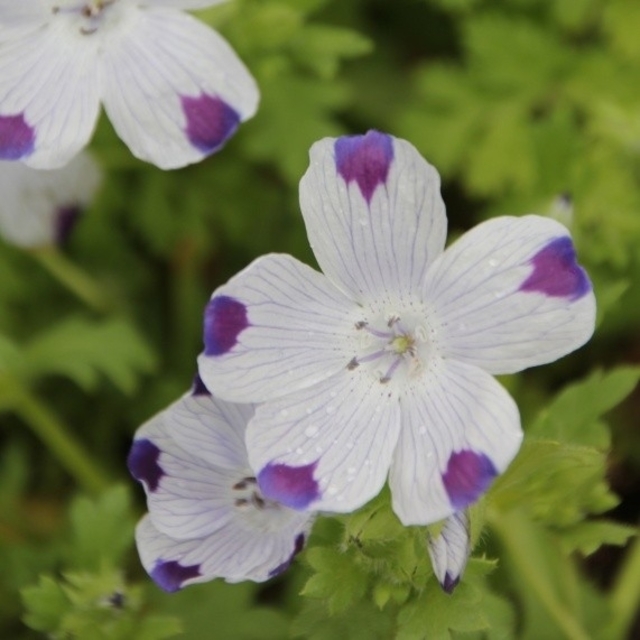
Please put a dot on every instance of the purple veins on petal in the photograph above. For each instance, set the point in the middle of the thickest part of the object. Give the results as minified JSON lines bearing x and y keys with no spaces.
{"x":17,"y":138}
{"x":210,"y":122}
{"x":143,"y":463}
{"x":297,"y":548}
{"x":467,"y":477}
{"x":65,"y":221}
{"x":225,"y":318}
{"x":293,"y":487}
{"x":556,"y":272}
{"x":364,"y":159}
{"x":171,"y":575}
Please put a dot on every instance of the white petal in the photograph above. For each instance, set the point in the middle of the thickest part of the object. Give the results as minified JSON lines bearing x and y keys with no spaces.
{"x":36,"y":205}
{"x":232,"y":553}
{"x":174,"y":89}
{"x":276,"y":327}
{"x":49,"y":95}
{"x":509,"y":295}
{"x":211,"y":429}
{"x":450,"y":549}
{"x":374,"y":214}
{"x":187,"y":497}
{"x":460,"y":428}
{"x":20,"y":12}
{"x":326,"y":448}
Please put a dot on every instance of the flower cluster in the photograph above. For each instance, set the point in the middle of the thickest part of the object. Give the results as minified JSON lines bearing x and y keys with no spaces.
{"x":378,"y":369}
{"x":173,"y":89}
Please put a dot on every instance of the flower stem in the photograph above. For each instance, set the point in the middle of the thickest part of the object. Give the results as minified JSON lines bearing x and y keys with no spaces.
{"x":517,"y":538}
{"x":48,"y":427}
{"x":74,"y":279}
{"x":625,"y":596}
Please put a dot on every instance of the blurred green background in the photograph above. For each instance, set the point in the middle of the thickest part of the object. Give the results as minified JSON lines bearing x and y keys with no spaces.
{"x":523,"y":106}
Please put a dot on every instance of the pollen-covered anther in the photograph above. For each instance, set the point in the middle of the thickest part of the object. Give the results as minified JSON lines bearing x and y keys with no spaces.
{"x":250,"y":494}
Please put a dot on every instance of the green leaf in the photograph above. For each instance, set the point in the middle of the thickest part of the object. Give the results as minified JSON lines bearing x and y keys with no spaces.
{"x":337,"y":579}
{"x":102,"y":529}
{"x":557,"y":483}
{"x":45,"y":605}
{"x":587,"y":537}
{"x":434,"y":614}
{"x":573,"y":414}
{"x":83,"y":350}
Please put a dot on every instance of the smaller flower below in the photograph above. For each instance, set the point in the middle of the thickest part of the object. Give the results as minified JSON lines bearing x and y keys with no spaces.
{"x":40,"y":208}
{"x":207,"y":517}
{"x":449,"y":550}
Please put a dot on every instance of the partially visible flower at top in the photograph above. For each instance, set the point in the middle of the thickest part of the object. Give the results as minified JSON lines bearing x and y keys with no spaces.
{"x":383,"y":364}
{"x":173,"y":88}
{"x":39,"y":208}
{"x":450,"y":549}
{"x":207,"y":517}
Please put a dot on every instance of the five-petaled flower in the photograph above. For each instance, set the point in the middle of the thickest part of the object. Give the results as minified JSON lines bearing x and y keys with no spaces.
{"x":382,"y":366}
{"x":40,"y":208}
{"x":207,"y":516}
{"x":173,"y":89}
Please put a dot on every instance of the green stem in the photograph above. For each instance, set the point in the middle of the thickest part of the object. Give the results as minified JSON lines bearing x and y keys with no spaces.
{"x":625,"y":596}
{"x":47,"y":426}
{"x":516,"y":537}
{"x":74,"y":279}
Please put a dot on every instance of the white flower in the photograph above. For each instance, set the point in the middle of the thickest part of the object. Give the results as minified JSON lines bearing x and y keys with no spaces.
{"x":173,"y":89}
{"x":207,"y":517}
{"x":40,"y":208}
{"x":383,"y":364}
{"x":449,"y":550}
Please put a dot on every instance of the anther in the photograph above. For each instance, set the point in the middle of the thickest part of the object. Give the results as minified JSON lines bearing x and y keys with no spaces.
{"x":361,"y":324}
{"x":353,"y":363}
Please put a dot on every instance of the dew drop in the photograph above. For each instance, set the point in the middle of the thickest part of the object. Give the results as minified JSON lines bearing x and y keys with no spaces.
{"x":363,"y":222}
{"x":422,"y":430}
{"x":349,"y":445}
{"x":284,"y":413}
{"x":311,"y":431}
{"x":334,"y":394}
{"x":330,"y":409}
{"x":309,"y":411}
{"x":493,"y":262}
{"x":299,"y":451}
{"x":351,"y":471}
{"x":332,"y":490}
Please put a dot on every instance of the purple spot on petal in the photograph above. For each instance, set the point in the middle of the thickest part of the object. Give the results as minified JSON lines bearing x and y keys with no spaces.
{"x":65,"y":221}
{"x":556,"y":272}
{"x":450,"y":583}
{"x":297,"y":548}
{"x":294,"y":487}
{"x":198,"y":388}
{"x":225,"y":318}
{"x":210,"y":122}
{"x":365,"y":160}
{"x":143,"y":463}
{"x":171,"y":575}
{"x":467,"y":477}
{"x":17,"y":138}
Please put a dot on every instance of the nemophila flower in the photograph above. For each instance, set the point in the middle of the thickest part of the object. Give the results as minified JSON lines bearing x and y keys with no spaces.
{"x":207,"y":516}
{"x":40,"y":207}
{"x":173,"y":89}
{"x":449,"y":550}
{"x":383,"y":364}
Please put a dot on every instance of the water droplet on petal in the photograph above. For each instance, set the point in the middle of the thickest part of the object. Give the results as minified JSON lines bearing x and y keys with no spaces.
{"x":299,"y":451}
{"x":363,"y":221}
{"x":330,"y":409}
{"x":422,"y":430}
{"x":311,"y":431}
{"x":493,"y":262}
{"x":284,"y":413}
{"x":309,"y":411}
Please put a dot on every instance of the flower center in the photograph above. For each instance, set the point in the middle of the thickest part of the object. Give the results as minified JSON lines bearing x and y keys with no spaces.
{"x":88,"y":14}
{"x":246,"y":495}
{"x":387,"y":349}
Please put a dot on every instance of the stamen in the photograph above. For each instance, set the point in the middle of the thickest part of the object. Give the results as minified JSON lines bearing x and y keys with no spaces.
{"x":353,"y":364}
{"x":244,"y":483}
{"x":241,"y":502}
{"x":392,"y":369}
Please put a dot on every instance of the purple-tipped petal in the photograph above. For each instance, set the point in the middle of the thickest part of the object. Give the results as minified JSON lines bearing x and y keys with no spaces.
{"x":556,"y":272}
{"x":225,"y":318}
{"x":171,"y":575}
{"x":143,"y":463}
{"x":297,"y":548}
{"x":17,"y":138}
{"x":198,"y":387}
{"x":365,"y":160}
{"x":294,"y":487}
{"x":450,"y":583}
{"x":210,"y":122}
{"x":66,"y":219}
{"x":468,"y":476}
